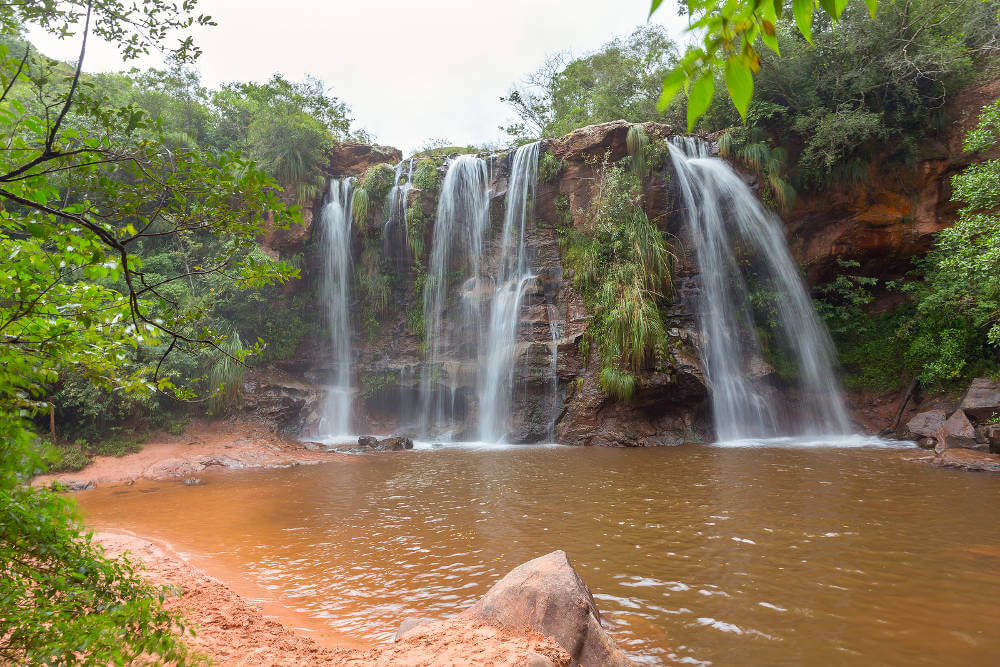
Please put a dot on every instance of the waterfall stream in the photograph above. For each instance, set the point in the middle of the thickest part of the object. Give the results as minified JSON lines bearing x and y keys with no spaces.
{"x":336,"y":237}
{"x":513,"y":273}
{"x":461,"y":228}
{"x":743,"y":259}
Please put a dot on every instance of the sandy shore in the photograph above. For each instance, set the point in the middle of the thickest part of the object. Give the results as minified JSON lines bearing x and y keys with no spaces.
{"x":203,"y":446}
{"x":232,"y":630}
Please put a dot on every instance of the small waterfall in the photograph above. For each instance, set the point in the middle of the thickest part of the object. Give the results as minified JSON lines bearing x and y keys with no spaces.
{"x":461,"y":227}
{"x":553,"y":314}
{"x":395,"y":234}
{"x":335,"y":223}
{"x":513,"y":273}
{"x":730,"y":229}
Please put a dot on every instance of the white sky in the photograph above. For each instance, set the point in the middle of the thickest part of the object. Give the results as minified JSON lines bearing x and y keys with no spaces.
{"x":410,"y":70}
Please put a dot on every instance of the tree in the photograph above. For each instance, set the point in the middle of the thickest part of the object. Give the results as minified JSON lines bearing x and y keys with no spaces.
{"x":730,"y":33}
{"x":620,"y":80}
{"x":83,"y":186}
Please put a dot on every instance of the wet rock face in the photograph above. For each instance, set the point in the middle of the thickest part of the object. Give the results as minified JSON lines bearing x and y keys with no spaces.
{"x":279,"y":402}
{"x":546,"y":595}
{"x":895,"y":214}
{"x":351,"y":158}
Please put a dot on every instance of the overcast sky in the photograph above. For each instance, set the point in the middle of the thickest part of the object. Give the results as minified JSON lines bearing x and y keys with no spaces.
{"x":410,"y":71}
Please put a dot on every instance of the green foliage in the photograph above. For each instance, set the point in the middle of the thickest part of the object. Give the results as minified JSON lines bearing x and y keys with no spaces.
{"x":958,"y":302}
{"x":416,"y":229}
{"x":376,"y":382}
{"x":549,"y":168}
{"x":750,"y":147}
{"x":637,"y":143}
{"x":950,"y":331}
{"x":427,"y":177}
{"x":864,"y":90}
{"x":376,"y":183}
{"x":624,"y":272}
{"x":871,"y":345}
{"x":292,"y":147}
{"x":225,"y":377}
{"x":619,"y":81}
{"x":116,"y":229}
{"x":63,"y":600}
{"x":730,"y":33}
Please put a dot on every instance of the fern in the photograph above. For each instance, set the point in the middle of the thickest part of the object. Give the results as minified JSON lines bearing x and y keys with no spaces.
{"x":225,"y":377}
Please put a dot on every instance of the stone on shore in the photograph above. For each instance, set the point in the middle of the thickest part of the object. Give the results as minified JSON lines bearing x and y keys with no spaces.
{"x":546,"y":595}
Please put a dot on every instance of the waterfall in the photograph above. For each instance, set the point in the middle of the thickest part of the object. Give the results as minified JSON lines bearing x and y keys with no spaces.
{"x":461,"y":226}
{"x":335,"y":223}
{"x":730,"y":230}
{"x":395,"y":234}
{"x":513,"y":273}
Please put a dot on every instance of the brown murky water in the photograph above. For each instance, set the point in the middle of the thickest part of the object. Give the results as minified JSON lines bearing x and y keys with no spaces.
{"x":694,"y":554}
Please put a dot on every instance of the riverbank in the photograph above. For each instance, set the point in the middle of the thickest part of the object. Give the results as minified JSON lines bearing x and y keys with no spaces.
{"x":235,"y":630}
{"x":205,"y":445}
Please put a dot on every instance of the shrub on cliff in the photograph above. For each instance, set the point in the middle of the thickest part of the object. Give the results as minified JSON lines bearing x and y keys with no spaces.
{"x":623,"y":268}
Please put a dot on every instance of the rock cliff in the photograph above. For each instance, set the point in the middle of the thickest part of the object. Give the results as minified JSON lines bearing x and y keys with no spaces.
{"x":882,"y":224}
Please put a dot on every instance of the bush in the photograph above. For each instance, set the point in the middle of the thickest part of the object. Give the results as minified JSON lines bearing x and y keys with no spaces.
{"x":624,"y":273}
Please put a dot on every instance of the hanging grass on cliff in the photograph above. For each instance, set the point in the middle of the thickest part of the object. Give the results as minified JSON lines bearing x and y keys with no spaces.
{"x":623,"y":268}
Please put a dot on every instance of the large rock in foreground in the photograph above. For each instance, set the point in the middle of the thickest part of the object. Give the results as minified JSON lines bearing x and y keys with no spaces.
{"x":546,"y":595}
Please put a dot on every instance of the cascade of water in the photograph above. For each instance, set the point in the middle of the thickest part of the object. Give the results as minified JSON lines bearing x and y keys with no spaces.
{"x":335,"y":222}
{"x":461,"y":224}
{"x":395,"y":234}
{"x":553,"y":370}
{"x":513,"y":273}
{"x":729,"y":228}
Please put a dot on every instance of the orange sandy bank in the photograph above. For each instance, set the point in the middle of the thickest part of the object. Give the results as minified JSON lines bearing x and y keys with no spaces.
{"x":203,"y":446}
{"x":231,"y":630}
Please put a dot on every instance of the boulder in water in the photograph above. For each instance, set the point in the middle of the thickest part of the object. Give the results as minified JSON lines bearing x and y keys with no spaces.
{"x":368,"y":441}
{"x":395,"y":444}
{"x":982,"y":400}
{"x":957,"y":431}
{"x":547,"y":595}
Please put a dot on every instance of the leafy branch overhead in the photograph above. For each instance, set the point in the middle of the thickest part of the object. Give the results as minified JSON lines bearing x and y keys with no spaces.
{"x":730,"y":32}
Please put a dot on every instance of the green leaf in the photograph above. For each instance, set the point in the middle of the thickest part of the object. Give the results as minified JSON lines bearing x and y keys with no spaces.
{"x":671,"y":86}
{"x":699,"y":98}
{"x":739,"y":83}
{"x":872,"y":6}
{"x":803,"y":10}
{"x":654,"y":6}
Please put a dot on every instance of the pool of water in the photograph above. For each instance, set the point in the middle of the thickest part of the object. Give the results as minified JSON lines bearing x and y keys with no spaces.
{"x":695,"y":554}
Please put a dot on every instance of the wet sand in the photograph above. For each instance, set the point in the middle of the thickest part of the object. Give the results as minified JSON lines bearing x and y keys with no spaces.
{"x":204,"y":446}
{"x":235,"y":630}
